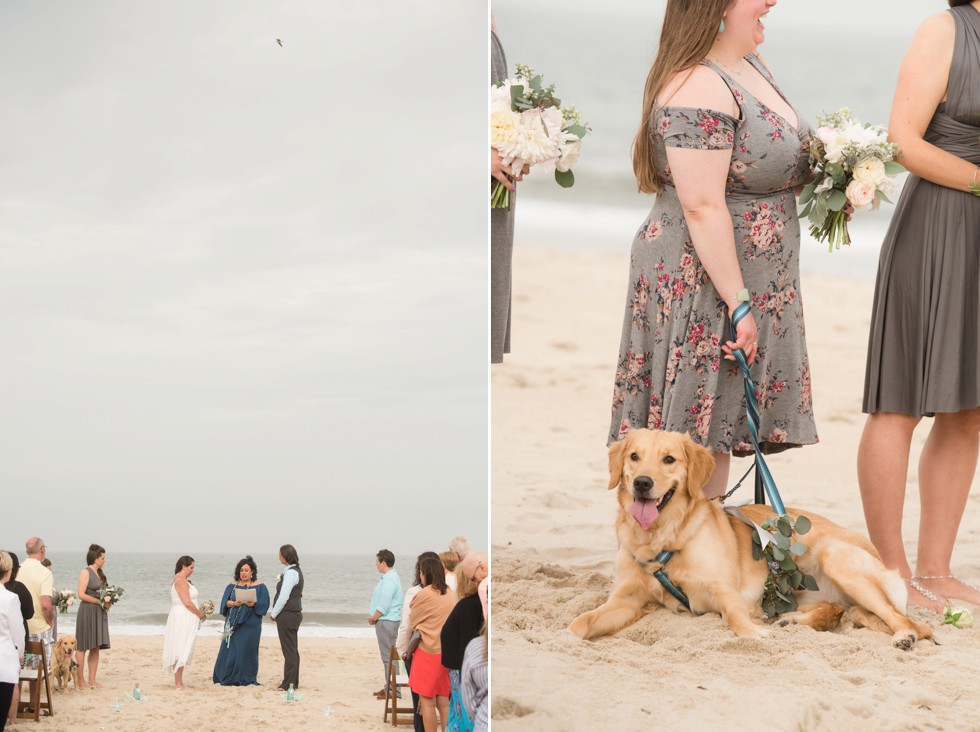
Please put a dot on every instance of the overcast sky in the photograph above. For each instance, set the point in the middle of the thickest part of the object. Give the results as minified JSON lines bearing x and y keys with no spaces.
{"x":243,"y":286}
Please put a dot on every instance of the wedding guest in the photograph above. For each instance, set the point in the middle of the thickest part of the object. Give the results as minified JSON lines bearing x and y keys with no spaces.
{"x":449,"y":561}
{"x":475,"y":679}
{"x":406,"y":636}
{"x":55,"y":601}
{"x":462,"y":626}
{"x":40,"y":583}
{"x":460,"y":545}
{"x":723,"y":150}
{"x":183,"y":621}
{"x":924,"y":348}
{"x":501,"y":227}
{"x":428,"y":677}
{"x":386,"y":610}
{"x":92,"y":618}
{"x":12,"y":640}
{"x":238,"y":654}
{"x":13,"y":585}
{"x":476,"y":566}
{"x":287,"y":612}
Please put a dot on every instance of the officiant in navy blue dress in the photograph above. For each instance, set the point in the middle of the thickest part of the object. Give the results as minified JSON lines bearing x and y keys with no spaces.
{"x":238,"y":654}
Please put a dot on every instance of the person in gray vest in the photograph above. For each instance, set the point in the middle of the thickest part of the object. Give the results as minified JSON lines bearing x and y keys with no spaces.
{"x":287,"y":613}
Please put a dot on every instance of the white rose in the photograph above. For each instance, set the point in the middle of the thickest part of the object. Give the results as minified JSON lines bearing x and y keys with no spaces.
{"x":860,"y":193}
{"x":569,"y":153}
{"x":500,"y":98}
{"x":826,"y":135}
{"x":870,"y":170}
{"x":503,"y":127}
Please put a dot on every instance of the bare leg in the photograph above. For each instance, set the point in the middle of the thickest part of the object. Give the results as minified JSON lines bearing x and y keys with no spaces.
{"x":717,"y":484}
{"x":93,"y":665}
{"x":428,"y":706}
{"x":946,"y":469}
{"x":179,"y":678}
{"x":14,"y":700}
{"x":80,"y":661}
{"x":442,"y":703}
{"x":883,"y":465}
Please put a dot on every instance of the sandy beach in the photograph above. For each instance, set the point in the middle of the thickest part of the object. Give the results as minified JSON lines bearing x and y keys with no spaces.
{"x":338,"y":678}
{"x":553,"y":543}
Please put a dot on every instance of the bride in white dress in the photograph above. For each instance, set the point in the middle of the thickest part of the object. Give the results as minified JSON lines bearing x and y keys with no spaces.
{"x":182,"y":622}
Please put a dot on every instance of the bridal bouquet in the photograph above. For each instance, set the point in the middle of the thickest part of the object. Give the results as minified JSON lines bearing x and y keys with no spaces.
{"x":110,"y":595}
{"x":528,"y":126}
{"x":66,"y":598}
{"x":206,"y":607}
{"x":855,"y":164}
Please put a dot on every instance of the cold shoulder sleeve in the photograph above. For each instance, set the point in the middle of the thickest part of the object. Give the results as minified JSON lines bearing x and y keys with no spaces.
{"x":695,"y":128}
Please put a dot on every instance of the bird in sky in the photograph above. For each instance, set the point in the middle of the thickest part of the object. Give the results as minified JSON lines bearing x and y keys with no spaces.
{"x":279,"y":41}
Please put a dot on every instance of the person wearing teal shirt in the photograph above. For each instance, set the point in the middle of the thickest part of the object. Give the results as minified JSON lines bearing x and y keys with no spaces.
{"x":386,"y":610}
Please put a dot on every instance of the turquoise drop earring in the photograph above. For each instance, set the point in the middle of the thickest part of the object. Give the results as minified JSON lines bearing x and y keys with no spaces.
{"x":722,"y":28}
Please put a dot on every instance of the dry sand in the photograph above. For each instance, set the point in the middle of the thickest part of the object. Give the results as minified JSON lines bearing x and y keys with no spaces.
{"x":553,"y":544}
{"x":338,"y":677}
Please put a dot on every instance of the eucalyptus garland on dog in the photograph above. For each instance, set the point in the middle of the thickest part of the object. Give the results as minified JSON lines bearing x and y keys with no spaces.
{"x":780,"y":554}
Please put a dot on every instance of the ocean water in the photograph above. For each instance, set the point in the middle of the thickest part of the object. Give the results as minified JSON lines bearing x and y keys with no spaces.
{"x":336,"y":595}
{"x":824,"y":56}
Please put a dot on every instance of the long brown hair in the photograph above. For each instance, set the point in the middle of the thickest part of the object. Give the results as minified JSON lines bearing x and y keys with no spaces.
{"x":690,"y":28}
{"x":94,"y":552}
{"x":954,"y":3}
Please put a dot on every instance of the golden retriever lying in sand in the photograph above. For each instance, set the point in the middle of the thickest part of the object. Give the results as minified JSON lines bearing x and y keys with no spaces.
{"x":63,"y":665}
{"x":661,"y":506}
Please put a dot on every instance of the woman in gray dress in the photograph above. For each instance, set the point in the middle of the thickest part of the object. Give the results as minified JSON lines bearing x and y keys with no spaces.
{"x":924,"y":351}
{"x":723,"y":150}
{"x":501,"y":226}
{"x":92,"y":619}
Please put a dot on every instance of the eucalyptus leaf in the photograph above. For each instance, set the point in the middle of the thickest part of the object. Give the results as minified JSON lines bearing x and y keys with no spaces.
{"x":806,"y":195}
{"x":578,"y":130}
{"x":565,"y":179}
{"x":883,"y":197}
{"x":778,"y":554}
{"x":810,"y":583}
{"x":787,"y":564}
{"x":836,"y":200}
{"x":803,"y":524}
{"x":893,"y":168}
{"x":799,"y":549}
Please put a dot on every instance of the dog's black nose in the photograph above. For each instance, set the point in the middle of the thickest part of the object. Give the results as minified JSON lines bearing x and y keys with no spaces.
{"x":642,"y":484}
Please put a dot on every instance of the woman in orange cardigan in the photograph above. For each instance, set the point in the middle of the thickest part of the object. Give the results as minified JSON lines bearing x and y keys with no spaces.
{"x":428,"y":677}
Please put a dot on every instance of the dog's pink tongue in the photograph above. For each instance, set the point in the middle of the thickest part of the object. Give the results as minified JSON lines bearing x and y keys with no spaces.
{"x":644,"y":511}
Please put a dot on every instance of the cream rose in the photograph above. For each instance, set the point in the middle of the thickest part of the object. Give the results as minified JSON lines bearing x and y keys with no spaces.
{"x":860,"y":193}
{"x":569,"y":153}
{"x":870,"y":170}
{"x":503,"y":127}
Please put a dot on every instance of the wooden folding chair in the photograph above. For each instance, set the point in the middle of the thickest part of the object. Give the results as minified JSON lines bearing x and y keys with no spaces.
{"x":31,"y":709}
{"x":396,"y":682}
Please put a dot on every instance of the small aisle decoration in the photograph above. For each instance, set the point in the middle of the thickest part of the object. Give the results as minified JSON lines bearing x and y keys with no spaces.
{"x":66,"y":598}
{"x":958,"y":617}
{"x":109,"y":595}
{"x":528,"y":126}
{"x":854,"y":164}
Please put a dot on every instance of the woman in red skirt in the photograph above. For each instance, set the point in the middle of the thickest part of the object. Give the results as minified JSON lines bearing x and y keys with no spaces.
{"x":428,"y":677}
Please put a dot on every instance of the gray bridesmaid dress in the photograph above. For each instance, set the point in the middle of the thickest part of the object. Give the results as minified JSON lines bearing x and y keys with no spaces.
{"x":924,"y":349}
{"x":501,"y":240}
{"x":91,"y":621}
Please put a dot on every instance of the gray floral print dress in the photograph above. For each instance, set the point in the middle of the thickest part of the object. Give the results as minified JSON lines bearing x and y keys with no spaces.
{"x":671,"y":372}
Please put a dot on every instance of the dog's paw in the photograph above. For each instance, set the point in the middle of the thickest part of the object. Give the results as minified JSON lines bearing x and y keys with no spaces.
{"x":580,"y":626}
{"x":904,"y":641}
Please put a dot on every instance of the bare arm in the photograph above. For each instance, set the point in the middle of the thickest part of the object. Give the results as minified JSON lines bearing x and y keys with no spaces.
{"x":47,"y":609}
{"x":921,"y":87}
{"x":82,"y":586}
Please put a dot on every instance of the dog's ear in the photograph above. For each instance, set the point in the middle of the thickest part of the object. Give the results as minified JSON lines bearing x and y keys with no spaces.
{"x":700,"y":465}
{"x":617,"y":458}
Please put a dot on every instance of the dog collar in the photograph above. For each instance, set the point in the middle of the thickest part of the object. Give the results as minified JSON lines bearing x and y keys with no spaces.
{"x":663,"y":578}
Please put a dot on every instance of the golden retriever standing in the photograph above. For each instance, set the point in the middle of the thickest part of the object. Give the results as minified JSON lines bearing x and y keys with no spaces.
{"x":659,"y":476}
{"x":63,"y":664}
